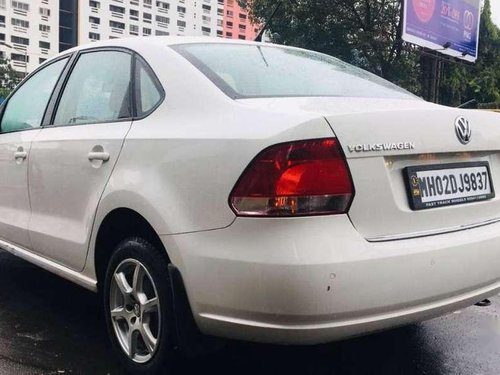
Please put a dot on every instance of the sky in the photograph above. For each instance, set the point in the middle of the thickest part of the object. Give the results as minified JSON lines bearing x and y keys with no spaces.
{"x":495,"y":11}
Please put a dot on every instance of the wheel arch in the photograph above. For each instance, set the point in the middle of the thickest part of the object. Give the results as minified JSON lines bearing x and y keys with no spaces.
{"x":118,"y":224}
{"x":122,"y":223}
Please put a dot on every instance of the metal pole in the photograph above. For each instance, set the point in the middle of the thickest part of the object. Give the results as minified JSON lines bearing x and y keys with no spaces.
{"x":439,"y":75}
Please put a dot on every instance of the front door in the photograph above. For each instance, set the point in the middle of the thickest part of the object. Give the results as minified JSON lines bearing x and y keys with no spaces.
{"x":20,"y":124}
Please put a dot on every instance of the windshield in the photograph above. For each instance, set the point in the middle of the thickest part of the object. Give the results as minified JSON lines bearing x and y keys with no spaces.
{"x":254,"y":71}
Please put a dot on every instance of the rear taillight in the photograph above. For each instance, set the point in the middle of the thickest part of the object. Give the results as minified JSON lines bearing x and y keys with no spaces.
{"x":292,"y":179}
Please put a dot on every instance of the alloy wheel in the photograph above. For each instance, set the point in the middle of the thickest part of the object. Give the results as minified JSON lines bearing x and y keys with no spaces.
{"x":135,"y":310}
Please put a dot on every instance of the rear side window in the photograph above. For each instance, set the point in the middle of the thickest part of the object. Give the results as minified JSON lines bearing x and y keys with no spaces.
{"x":98,"y":89}
{"x":25,"y":109}
{"x":148,"y":90}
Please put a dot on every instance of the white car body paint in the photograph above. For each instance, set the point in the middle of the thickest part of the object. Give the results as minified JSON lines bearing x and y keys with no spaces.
{"x":291,"y":280}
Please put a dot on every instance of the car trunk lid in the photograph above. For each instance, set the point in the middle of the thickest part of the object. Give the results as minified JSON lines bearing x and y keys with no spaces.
{"x":383,"y":137}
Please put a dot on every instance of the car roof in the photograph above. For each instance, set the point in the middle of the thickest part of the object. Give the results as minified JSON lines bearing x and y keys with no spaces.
{"x":139,"y":42}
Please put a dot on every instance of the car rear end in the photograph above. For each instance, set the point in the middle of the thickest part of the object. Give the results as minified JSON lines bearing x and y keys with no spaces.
{"x":388,"y":219}
{"x":316,"y":277}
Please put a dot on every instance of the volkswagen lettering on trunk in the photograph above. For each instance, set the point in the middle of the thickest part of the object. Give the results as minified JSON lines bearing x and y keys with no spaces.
{"x":390,"y":146}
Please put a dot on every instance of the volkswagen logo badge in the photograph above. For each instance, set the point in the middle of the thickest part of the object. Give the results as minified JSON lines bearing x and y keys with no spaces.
{"x":463,"y":130}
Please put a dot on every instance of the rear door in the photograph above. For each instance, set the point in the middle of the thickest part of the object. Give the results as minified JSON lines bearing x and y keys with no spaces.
{"x":21,"y":120}
{"x":72,"y":159}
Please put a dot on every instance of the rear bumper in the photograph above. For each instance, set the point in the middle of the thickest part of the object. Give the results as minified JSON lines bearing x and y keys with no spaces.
{"x":314,"y":280}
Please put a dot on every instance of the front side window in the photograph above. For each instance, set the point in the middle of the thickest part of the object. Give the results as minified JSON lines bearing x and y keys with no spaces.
{"x":253,"y":71}
{"x":25,"y":109}
{"x":98,"y":89}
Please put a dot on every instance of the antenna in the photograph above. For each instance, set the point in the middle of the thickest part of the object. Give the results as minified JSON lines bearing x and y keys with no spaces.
{"x":258,"y":38}
{"x":470,"y":104}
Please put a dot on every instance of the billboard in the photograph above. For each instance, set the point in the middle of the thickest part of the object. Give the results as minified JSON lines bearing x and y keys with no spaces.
{"x":437,"y":24}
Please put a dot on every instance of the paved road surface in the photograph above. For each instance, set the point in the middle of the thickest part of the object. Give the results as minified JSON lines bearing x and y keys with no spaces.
{"x":50,"y":326}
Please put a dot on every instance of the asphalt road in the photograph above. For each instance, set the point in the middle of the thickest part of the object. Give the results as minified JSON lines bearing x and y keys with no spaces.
{"x":50,"y":326}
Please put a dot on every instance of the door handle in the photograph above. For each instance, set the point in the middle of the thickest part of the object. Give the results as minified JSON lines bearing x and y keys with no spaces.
{"x":104,"y":156}
{"x":20,"y":155}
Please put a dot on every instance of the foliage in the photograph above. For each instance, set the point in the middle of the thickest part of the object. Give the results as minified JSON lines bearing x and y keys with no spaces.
{"x":8,"y":78}
{"x":482,"y":80}
{"x":367,"y":33}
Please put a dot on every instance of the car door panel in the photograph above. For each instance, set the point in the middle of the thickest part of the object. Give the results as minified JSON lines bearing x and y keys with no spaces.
{"x":66,"y":185}
{"x":21,"y":118}
{"x":14,"y":198}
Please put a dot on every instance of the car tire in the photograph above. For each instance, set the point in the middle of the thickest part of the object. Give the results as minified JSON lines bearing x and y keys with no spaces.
{"x":138,"y":307}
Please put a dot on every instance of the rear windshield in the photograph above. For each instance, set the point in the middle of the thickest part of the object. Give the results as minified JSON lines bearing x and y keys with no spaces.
{"x":255,"y":71}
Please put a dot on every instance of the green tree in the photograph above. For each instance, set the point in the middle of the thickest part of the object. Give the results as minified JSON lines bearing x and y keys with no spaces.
{"x":367,"y":33}
{"x":8,"y":78}
{"x":480,"y":81}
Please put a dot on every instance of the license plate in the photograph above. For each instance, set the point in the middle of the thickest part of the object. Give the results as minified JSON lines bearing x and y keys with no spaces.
{"x":431,"y":186}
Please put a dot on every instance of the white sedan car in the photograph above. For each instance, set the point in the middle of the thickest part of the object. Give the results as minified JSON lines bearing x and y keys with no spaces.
{"x":247,"y":191}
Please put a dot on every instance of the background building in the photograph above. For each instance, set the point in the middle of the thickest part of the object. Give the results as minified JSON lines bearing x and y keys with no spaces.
{"x":68,"y":24}
{"x":29,"y":32}
{"x":105,"y":19}
{"x":33,"y":30}
{"x":236,"y":24}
